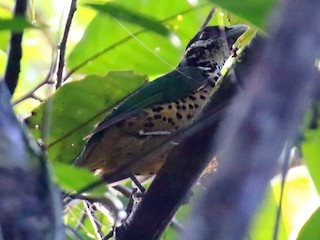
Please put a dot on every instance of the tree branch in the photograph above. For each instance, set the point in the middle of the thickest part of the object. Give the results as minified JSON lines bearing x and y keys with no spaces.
{"x":47,"y":80}
{"x":11,"y":75}
{"x":261,"y":119}
{"x":29,"y":207}
{"x":63,"y":43}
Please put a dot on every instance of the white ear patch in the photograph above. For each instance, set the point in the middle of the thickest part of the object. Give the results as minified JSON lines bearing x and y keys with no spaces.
{"x":199,"y":43}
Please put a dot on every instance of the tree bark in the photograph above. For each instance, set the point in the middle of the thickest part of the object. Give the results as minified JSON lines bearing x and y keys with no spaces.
{"x":262,"y":118}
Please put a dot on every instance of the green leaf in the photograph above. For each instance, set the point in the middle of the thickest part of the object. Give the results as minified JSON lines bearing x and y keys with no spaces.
{"x":263,"y":223}
{"x":254,"y":11}
{"x":311,"y":152}
{"x":16,"y":24}
{"x":3,"y":61}
{"x":77,"y":106}
{"x":121,"y":13}
{"x":310,"y":229}
{"x":145,"y":53}
{"x":74,"y":179}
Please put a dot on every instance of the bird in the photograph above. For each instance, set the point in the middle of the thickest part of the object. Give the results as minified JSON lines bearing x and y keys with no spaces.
{"x":121,"y":145}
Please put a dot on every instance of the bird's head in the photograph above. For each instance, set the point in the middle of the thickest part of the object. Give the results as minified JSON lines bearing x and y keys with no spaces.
{"x":211,"y":47}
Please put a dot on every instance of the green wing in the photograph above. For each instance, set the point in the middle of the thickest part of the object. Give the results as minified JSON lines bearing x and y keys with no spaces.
{"x":168,"y":88}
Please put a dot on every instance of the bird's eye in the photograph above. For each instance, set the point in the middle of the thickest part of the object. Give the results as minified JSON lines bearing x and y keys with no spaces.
{"x":203,"y":36}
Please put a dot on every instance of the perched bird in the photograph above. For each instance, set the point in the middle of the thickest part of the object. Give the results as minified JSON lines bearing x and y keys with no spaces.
{"x":121,"y":143}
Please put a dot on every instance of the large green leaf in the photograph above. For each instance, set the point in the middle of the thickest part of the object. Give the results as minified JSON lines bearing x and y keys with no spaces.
{"x":311,"y":152}
{"x":121,"y":13}
{"x":75,"y":109}
{"x":263,"y":224}
{"x":310,"y":229}
{"x":147,"y":53}
{"x":74,"y":179}
{"x":16,"y":24}
{"x":254,"y":11}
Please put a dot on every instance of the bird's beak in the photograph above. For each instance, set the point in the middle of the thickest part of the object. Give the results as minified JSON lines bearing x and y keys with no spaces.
{"x":234,"y":32}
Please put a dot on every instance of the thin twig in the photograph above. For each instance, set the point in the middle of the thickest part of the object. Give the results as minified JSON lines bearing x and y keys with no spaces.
{"x":47,"y":80}
{"x":73,"y":232}
{"x":122,"y":41}
{"x":285,"y":168}
{"x":63,"y":43}
{"x":30,"y":94}
{"x":11,"y":75}
{"x":93,"y":221}
{"x":209,"y":17}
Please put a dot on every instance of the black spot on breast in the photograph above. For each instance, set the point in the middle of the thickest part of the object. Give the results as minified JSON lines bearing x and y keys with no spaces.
{"x":149,"y":118}
{"x":170,"y":120}
{"x":178,"y":106}
{"x":157,"y":116}
{"x":157,"y":109}
{"x":190,"y":106}
{"x":179,"y":116}
{"x":183,"y":100}
{"x":170,"y":106}
{"x":184,"y":107}
{"x":196,"y":105}
{"x":192,"y":97}
{"x":202,"y":97}
{"x":164,"y":118}
{"x":189,"y":116}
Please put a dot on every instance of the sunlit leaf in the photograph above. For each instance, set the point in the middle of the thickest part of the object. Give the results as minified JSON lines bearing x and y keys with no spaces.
{"x":146,"y":53}
{"x":300,"y":198}
{"x":121,"y":13}
{"x":3,"y":61}
{"x":73,"y":179}
{"x":263,"y":223}
{"x":254,"y":11}
{"x":76,"y":108}
{"x":310,"y":229}
{"x":311,"y":152}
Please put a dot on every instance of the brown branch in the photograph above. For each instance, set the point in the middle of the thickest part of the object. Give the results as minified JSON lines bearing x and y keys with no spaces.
{"x":12,"y":72}
{"x":28,"y":203}
{"x":31,"y":93}
{"x":267,"y":113}
{"x":63,"y":43}
{"x":47,"y":80}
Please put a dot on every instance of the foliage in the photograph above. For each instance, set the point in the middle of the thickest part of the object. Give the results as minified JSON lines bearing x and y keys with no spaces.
{"x":108,"y":59}
{"x":15,"y":24}
{"x":77,"y":106}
